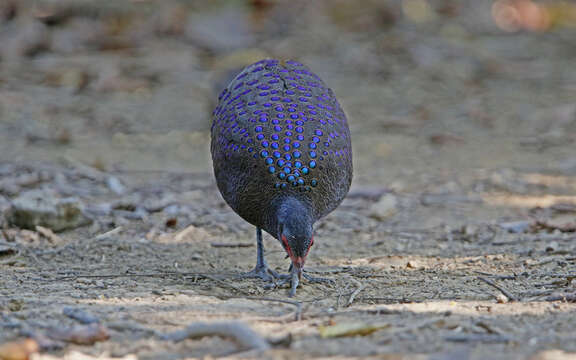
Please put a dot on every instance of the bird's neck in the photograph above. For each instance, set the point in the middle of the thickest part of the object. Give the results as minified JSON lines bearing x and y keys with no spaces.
{"x":290,"y":210}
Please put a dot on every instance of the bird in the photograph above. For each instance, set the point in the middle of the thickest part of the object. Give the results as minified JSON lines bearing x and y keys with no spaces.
{"x":282,"y":157}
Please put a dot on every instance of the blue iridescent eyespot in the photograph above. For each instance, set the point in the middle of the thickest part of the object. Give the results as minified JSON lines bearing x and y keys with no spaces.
{"x":287,"y":156}
{"x":269,"y":161}
{"x":258,"y":129}
{"x":276,"y":154}
{"x":280,"y":162}
{"x":312,"y":164}
{"x":264,"y":153}
{"x":287,"y":170}
{"x":291,"y":178}
{"x":296,"y":154}
{"x":281,"y":176}
{"x":314,"y":182}
{"x":301,"y":181}
{"x":296,"y":145}
{"x":275,"y":145}
{"x":312,"y":146}
{"x":265,"y":143}
{"x":286,"y":147}
{"x":297,"y":164}
{"x":271,"y":169}
{"x":312,"y":154}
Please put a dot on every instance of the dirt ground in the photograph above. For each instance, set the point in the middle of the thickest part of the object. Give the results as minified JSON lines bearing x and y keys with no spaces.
{"x":457,"y":240}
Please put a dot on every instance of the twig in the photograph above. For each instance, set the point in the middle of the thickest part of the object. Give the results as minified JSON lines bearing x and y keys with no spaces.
{"x":231,"y":245}
{"x":107,"y":234}
{"x":499,"y":288}
{"x":297,"y":304}
{"x":226,"y":284}
{"x":562,"y":297}
{"x":485,"y":338}
{"x":377,"y":311}
{"x":359,"y":288}
{"x":337,"y":270}
{"x":247,"y":338}
{"x":113,"y":276}
{"x":501,"y":277}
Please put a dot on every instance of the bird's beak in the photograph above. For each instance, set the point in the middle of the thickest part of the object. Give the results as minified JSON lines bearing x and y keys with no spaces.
{"x":296,"y":273}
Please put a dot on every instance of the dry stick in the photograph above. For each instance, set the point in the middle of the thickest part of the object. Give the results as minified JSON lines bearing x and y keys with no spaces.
{"x":71,"y":244}
{"x":244,"y":336}
{"x":359,"y":288}
{"x":113,"y":276}
{"x":562,"y":297}
{"x":483,"y":338}
{"x":225,"y":284}
{"x":297,"y":304}
{"x":231,"y":245}
{"x":499,"y":288}
{"x":107,"y":234}
{"x":495,"y":276}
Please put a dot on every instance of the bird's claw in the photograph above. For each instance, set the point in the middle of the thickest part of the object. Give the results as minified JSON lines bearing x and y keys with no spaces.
{"x":265,"y":273}
{"x":292,"y":278}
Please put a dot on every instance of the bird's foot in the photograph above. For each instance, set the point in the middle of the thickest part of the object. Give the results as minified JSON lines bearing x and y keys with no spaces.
{"x":294,"y":281}
{"x":265,"y":273}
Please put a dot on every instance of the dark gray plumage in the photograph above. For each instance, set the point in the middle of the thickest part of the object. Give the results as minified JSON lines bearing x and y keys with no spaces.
{"x":282,"y":155}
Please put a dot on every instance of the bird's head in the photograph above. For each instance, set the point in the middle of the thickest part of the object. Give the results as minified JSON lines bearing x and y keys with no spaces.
{"x":297,"y":244}
{"x":295,"y":232}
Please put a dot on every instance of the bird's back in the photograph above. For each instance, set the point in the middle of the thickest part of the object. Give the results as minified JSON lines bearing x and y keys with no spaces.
{"x":278,"y":131}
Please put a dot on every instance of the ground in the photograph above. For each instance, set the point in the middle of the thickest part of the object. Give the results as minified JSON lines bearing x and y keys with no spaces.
{"x":457,"y":240}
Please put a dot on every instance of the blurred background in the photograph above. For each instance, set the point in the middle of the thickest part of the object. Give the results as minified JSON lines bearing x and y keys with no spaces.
{"x":463,"y":121}
{"x":427,"y":85}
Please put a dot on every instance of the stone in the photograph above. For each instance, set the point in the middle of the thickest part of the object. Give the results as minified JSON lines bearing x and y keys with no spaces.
{"x":385,"y":207}
{"x":44,"y":208}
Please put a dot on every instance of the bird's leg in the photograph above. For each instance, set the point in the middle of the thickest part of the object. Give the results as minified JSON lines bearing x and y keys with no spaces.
{"x":261,"y":270}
